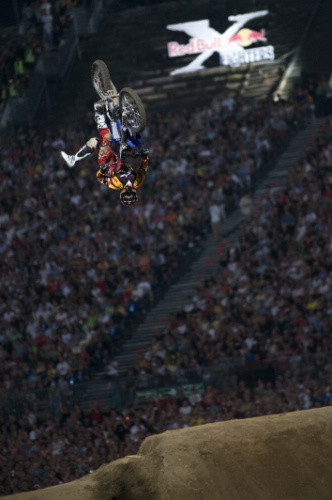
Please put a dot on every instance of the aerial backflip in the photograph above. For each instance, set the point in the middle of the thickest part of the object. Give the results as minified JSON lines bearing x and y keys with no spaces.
{"x":120,"y":117}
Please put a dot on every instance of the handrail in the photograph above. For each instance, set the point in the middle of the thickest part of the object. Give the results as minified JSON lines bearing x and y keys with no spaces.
{"x":116,"y":392}
{"x":292,"y":71}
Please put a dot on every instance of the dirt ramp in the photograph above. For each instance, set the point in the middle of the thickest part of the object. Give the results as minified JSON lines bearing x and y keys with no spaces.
{"x":275,"y":457}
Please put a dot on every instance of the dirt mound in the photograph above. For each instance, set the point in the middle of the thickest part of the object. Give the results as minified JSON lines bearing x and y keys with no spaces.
{"x":286,"y":456}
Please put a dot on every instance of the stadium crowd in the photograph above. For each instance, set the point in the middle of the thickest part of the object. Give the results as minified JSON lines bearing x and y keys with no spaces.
{"x":66,"y":304}
{"x":74,"y":279}
{"x":41,"y":27}
{"x":272,"y":298}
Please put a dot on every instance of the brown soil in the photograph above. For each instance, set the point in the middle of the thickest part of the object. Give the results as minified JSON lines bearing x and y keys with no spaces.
{"x":277,"y":457}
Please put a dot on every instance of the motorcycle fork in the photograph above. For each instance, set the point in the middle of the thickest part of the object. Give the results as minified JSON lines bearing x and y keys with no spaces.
{"x":123,"y":144}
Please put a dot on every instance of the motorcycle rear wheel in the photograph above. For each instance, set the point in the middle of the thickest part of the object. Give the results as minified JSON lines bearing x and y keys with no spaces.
{"x":131,"y":104}
{"x":101,"y":79}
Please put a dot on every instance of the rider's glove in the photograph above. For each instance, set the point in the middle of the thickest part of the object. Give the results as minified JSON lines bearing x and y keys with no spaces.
{"x":108,"y":168}
{"x":145,"y":154}
{"x":104,"y":168}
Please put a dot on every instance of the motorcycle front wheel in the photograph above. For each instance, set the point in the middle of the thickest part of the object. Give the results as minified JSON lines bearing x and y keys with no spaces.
{"x":131,"y":104}
{"x":101,"y":79}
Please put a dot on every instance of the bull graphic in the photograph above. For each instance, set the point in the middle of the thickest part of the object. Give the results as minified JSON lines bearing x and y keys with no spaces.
{"x":206,"y":40}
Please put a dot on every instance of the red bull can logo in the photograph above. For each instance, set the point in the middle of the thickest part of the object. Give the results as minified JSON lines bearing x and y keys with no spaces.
{"x":231,"y":45}
{"x":246,"y":37}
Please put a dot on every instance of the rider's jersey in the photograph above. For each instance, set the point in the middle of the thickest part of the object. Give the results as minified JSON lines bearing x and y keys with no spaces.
{"x":118,"y":180}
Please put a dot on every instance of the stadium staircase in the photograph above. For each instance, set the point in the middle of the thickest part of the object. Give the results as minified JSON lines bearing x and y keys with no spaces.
{"x":100,"y":387}
{"x":207,"y":263}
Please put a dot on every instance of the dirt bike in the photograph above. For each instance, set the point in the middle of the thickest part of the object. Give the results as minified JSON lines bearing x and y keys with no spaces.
{"x":127,"y":101}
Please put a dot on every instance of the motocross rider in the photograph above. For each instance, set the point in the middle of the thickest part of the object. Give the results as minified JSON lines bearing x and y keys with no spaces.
{"x":113,"y":171}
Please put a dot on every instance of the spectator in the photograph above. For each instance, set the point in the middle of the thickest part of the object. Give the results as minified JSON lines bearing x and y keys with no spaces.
{"x":216,"y":216}
{"x":246,"y":206}
{"x":112,"y":369}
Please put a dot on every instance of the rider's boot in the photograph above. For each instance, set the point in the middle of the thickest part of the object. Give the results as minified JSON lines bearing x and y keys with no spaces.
{"x":81,"y":153}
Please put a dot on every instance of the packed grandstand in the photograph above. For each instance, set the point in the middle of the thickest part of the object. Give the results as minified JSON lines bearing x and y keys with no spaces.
{"x":79,"y":272}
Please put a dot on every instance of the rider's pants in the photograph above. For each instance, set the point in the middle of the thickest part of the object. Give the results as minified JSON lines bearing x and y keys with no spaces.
{"x":105,"y":153}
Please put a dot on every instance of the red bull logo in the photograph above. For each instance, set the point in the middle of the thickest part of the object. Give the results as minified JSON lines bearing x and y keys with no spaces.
{"x":247,"y":37}
{"x":231,"y":45}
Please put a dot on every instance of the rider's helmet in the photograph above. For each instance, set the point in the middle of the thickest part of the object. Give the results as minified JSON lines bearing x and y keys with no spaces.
{"x":128,"y":196}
